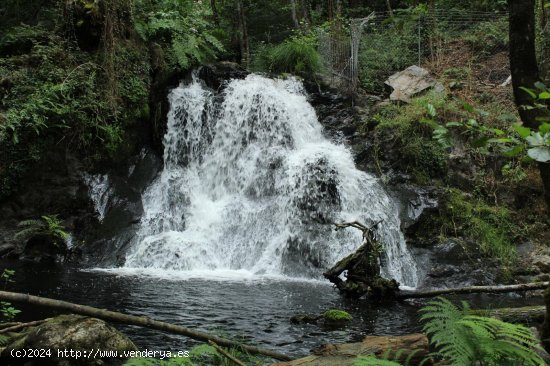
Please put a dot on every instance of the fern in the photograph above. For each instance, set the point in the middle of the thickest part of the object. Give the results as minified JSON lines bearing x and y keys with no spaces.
{"x":183,"y":29}
{"x":4,"y":340}
{"x":464,"y":339}
{"x":48,"y":224}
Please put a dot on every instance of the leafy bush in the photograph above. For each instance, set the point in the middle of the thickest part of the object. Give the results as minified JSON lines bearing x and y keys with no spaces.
{"x":181,"y":27}
{"x":296,"y":55}
{"x":55,"y":93}
{"x":411,"y":133}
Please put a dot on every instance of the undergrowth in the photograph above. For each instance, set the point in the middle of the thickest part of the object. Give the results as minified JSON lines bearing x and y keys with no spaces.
{"x":295,"y":55}
{"x":491,"y":227}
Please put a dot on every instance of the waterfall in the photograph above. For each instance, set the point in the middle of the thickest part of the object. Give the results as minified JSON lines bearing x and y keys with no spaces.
{"x":250,"y":183}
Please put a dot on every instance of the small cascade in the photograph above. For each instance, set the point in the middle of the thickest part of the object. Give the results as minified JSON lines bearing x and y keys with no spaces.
{"x":100,"y":191}
{"x":250,"y":183}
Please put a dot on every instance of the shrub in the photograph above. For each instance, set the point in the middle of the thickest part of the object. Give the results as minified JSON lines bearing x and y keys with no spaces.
{"x":296,"y":55}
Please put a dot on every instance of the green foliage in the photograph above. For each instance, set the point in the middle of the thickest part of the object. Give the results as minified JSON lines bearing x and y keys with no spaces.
{"x":490,"y":227}
{"x":182,"y":28}
{"x":173,"y":361}
{"x":464,"y":339}
{"x":4,"y":340}
{"x":296,"y":55}
{"x":373,"y":361}
{"x":198,"y":356}
{"x":50,"y":225}
{"x":7,"y":311}
{"x":488,"y":38}
{"x":21,"y":38}
{"x":392,"y":46}
{"x":411,"y":128}
{"x":337,"y":315}
{"x":388,"y":359}
{"x":55,"y":94}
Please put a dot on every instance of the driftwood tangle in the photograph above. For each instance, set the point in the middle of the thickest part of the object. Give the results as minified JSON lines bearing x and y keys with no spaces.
{"x":117,"y":317}
{"x":362,"y":267}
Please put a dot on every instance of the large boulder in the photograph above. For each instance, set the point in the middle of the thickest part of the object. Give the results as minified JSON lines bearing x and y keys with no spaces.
{"x":75,"y":333}
{"x":410,"y":82}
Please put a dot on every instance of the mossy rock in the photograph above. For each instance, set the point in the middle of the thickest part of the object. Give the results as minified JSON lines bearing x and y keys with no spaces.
{"x":336,"y":317}
{"x":69,"y":332}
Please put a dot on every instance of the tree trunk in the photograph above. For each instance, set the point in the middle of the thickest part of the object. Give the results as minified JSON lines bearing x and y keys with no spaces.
{"x":215,"y":14}
{"x":390,"y":10}
{"x":545,"y":331}
{"x":525,"y":72}
{"x":471,"y":290}
{"x":543,"y":14}
{"x":530,"y":315}
{"x":141,"y":321}
{"x":243,"y":34}
{"x":294,"y":16}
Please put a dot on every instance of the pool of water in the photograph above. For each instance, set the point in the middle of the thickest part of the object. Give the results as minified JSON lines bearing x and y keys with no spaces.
{"x":231,"y":304}
{"x":256,"y":309}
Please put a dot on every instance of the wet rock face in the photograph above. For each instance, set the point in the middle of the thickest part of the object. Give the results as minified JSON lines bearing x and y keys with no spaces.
{"x":218,"y":74}
{"x":69,"y":332}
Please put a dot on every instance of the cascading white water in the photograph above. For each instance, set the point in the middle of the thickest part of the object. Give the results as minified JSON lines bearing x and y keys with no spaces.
{"x":100,"y":191}
{"x":251,"y":183}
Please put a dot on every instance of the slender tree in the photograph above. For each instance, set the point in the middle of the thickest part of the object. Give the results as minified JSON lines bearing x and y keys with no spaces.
{"x":243,"y":34}
{"x":525,"y":72}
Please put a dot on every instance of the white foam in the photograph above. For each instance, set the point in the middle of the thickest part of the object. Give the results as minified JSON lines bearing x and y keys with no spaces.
{"x":251,"y":185}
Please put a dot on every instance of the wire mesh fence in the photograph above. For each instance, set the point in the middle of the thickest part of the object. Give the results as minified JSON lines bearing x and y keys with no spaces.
{"x":443,"y":41}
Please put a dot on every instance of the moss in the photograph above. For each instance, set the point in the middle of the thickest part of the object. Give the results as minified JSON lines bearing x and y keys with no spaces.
{"x":490,"y":227}
{"x":337,"y":316}
{"x":407,"y":129}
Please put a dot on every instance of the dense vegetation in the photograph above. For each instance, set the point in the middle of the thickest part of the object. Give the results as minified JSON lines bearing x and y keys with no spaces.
{"x":79,"y":77}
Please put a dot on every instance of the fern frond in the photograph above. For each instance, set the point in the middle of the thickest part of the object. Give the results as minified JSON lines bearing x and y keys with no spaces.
{"x":4,"y":340}
{"x":465,"y":339}
{"x":30,"y":222}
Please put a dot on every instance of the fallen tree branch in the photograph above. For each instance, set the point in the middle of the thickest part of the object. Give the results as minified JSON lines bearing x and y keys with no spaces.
{"x":9,"y":324}
{"x":523,"y":315}
{"x":117,"y":317}
{"x":471,"y":290}
{"x":22,"y":325}
{"x":234,"y":359}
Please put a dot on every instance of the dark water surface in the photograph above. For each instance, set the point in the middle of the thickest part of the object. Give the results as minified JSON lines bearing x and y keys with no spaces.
{"x":258,"y":310}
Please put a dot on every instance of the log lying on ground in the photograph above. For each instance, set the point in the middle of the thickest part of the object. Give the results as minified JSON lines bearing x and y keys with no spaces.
{"x":471,"y":290}
{"x":117,"y":317}
{"x":524,"y":315}
{"x":346,"y":354}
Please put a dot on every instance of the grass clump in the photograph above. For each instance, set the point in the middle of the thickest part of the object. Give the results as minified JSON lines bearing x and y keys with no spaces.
{"x":296,"y":55}
{"x":490,"y":227}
